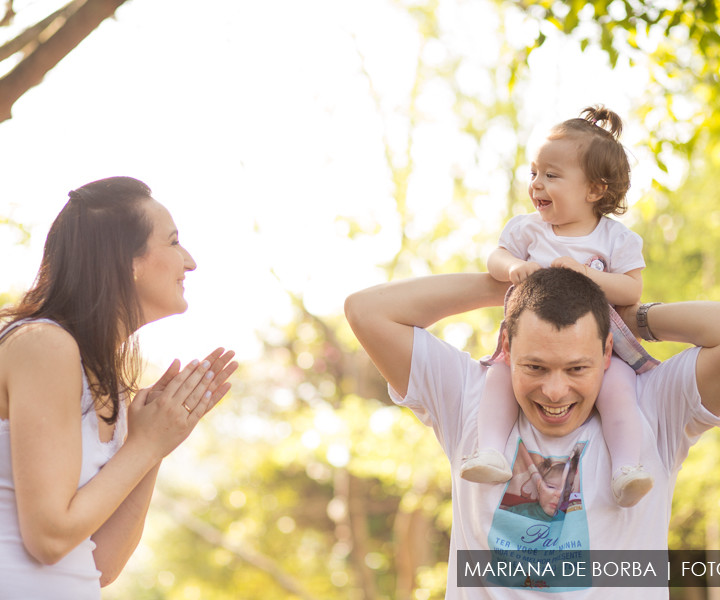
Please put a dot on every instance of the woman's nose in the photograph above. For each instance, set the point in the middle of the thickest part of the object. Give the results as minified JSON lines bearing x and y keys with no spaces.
{"x":189,"y":264}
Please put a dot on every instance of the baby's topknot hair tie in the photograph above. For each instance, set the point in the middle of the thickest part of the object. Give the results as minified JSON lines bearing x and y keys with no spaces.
{"x":604,"y":119}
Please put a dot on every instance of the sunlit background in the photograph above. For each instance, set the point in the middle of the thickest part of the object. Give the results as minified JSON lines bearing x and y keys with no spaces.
{"x":307,"y":150}
{"x":254,"y":123}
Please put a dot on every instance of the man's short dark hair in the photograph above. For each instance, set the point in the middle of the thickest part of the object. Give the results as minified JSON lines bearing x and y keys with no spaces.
{"x":560,"y":297}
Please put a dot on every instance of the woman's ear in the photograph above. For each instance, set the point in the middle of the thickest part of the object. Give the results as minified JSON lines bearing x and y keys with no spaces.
{"x":137,"y":267}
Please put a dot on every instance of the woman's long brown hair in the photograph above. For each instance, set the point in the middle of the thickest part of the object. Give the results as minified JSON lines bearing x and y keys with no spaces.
{"x":85,"y":282}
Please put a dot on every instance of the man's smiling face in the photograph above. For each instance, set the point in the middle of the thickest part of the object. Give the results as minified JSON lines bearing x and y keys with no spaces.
{"x":556,"y":374}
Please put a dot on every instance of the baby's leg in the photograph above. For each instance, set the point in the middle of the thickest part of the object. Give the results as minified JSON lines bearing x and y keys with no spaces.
{"x":497,"y":413}
{"x":617,"y":404}
{"x":621,"y":425}
{"x":498,"y":408}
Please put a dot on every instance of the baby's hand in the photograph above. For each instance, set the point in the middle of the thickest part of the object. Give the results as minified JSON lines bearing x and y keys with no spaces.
{"x":522,"y":270}
{"x":569,"y":263}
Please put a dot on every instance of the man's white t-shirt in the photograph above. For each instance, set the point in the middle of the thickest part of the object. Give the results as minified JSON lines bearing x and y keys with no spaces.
{"x":444,"y":388}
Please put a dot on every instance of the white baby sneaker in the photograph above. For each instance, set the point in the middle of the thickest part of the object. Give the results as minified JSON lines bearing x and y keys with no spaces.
{"x":630,"y":484}
{"x":486,"y":466}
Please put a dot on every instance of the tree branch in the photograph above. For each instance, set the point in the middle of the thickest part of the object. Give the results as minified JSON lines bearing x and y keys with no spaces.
{"x":183,"y":516}
{"x":32,"y":35}
{"x":9,"y":14}
{"x":78,"y":24}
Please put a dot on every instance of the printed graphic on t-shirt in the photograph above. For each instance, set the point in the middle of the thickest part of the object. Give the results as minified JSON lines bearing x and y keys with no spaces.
{"x":597,"y":262}
{"x":542,"y":515}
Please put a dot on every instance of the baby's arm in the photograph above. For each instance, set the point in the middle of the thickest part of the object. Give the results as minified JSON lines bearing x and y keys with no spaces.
{"x":503,"y":266}
{"x":621,"y":289}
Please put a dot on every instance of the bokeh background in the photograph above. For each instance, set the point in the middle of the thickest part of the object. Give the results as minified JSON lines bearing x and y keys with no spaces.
{"x":310,"y":149}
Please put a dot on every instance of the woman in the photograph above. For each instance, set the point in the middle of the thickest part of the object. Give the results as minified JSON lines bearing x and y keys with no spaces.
{"x":78,"y":461}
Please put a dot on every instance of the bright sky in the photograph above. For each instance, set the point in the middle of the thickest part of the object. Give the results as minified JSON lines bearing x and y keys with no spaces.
{"x":251,"y":122}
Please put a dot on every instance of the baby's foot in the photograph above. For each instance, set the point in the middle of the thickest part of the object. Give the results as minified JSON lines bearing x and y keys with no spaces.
{"x":630,"y":484}
{"x":486,"y":466}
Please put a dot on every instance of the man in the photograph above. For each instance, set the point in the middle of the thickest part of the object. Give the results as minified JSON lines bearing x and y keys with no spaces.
{"x":557,"y":345}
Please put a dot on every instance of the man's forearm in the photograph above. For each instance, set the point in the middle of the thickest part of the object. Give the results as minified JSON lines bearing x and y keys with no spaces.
{"x":383,"y":316}
{"x":696,"y":323}
{"x":422,"y":301}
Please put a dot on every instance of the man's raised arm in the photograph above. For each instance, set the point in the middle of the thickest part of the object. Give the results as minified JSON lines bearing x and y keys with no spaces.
{"x":695,"y":323}
{"x":383,"y":316}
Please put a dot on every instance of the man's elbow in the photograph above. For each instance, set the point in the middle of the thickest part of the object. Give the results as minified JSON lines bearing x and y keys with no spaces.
{"x":355,"y":310}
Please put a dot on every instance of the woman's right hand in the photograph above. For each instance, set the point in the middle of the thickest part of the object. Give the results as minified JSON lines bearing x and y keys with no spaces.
{"x":162,"y":416}
{"x":219,"y":363}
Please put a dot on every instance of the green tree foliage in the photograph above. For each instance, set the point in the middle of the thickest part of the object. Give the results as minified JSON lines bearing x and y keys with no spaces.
{"x":300,"y":488}
{"x":679,"y":43}
{"x":308,"y":483}
{"x":21,"y":236}
{"x":682,"y":240}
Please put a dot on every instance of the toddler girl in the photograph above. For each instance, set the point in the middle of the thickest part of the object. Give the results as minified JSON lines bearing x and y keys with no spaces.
{"x":579,"y":175}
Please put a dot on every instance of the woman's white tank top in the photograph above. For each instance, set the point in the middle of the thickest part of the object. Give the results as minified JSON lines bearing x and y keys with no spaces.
{"x":75,"y":576}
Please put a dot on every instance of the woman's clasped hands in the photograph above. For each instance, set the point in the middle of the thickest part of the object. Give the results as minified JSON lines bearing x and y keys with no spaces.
{"x":162,"y":416}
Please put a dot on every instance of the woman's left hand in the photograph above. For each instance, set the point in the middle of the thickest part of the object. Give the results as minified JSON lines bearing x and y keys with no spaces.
{"x":220,"y":364}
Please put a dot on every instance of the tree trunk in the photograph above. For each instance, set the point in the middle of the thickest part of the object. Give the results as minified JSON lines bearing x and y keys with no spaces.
{"x":411,"y":532}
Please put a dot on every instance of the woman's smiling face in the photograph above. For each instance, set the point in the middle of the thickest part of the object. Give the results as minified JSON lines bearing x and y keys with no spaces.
{"x":160,"y":271}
